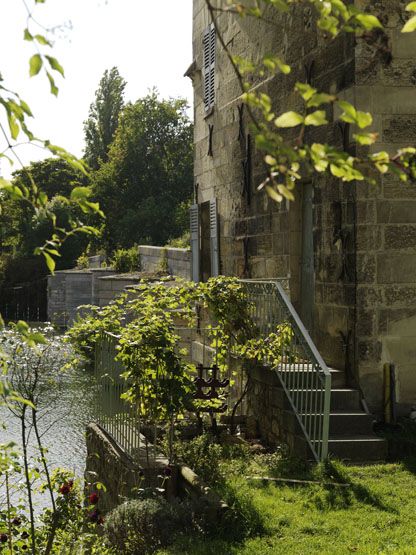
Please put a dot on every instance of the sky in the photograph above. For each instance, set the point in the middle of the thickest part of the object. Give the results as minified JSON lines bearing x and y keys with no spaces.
{"x":149,"y":41}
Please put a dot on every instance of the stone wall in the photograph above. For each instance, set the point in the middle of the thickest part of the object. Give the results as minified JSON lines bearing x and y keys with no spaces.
{"x":359,"y":299}
{"x":176,"y":261}
{"x":108,"y":464}
{"x":69,"y":289}
{"x":269,"y":407}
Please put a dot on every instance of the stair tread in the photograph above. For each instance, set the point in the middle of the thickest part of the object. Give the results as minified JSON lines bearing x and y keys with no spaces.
{"x":357,"y":438}
{"x":349,"y":389}
{"x":339,"y":413}
{"x":295,"y":366}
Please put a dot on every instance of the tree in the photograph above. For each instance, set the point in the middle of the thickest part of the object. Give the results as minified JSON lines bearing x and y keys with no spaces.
{"x":30,"y":227}
{"x":102,"y":121}
{"x":148,"y":175}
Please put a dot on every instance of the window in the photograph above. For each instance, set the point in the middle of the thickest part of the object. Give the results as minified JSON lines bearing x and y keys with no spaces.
{"x":208,"y":72}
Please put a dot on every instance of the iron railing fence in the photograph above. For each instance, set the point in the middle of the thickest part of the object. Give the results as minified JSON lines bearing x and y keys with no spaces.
{"x":119,"y":418}
{"x":303,"y":373}
{"x":115,"y":415}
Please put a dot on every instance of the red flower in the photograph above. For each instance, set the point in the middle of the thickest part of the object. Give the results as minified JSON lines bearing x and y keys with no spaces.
{"x":93,"y":498}
{"x":64,"y":489}
{"x":167,"y":472}
{"x":4,"y":538}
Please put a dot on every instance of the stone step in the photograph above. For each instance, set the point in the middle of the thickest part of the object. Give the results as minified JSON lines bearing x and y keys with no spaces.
{"x":350,"y":424}
{"x":358,"y":448}
{"x":298,"y":375}
{"x":342,"y":399}
{"x":347,"y":424}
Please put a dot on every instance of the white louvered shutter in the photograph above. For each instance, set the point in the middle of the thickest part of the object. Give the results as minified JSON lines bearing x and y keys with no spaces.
{"x":195,"y":242}
{"x":213,"y":224}
{"x":209,"y":42}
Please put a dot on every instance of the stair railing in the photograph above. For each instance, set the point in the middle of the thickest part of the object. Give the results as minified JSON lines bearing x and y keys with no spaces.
{"x":303,"y":374}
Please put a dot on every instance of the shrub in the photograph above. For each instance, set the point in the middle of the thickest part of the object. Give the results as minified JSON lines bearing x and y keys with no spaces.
{"x":142,"y":526}
{"x":182,"y":242}
{"x":126,"y":260}
{"x":83,"y":261}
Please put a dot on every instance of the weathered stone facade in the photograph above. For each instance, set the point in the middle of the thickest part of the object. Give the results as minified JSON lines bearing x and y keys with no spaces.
{"x":349,"y":250}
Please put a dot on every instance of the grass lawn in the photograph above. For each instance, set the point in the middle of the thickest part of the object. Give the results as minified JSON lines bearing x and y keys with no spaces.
{"x":374,"y":514}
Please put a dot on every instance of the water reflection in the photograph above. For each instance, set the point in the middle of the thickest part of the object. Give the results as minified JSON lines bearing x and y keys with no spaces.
{"x":66,"y":405}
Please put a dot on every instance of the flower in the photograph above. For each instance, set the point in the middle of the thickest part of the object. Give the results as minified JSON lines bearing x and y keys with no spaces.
{"x":16,"y":521}
{"x":168,"y":472}
{"x":65,"y":489}
{"x":93,"y":498}
{"x":4,"y":538}
{"x":24,"y":535}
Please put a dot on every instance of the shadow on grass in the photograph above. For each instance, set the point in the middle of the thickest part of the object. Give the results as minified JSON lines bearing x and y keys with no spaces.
{"x":327,"y":475}
{"x":343,"y":497}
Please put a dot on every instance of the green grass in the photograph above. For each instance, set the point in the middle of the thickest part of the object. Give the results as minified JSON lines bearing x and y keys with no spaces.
{"x":375,"y":514}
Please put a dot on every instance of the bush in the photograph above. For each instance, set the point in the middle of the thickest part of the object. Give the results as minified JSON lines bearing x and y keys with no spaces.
{"x":182,"y":242}
{"x":142,"y":526}
{"x":126,"y":260}
{"x":83,"y":261}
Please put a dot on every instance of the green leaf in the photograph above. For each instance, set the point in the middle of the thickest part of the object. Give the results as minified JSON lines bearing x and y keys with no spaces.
{"x":316,"y":118}
{"x":54,"y":88}
{"x":305,"y":90}
{"x":50,"y":262}
{"x":365,"y":138}
{"x":280,"y":5}
{"x":289,"y":119}
{"x":364,"y":119}
{"x":348,"y":109}
{"x":14,"y":126}
{"x":368,"y":21}
{"x":80,"y":193}
{"x":53,"y":62}
{"x":42,"y":40}
{"x":25,"y":107}
{"x":273,"y":194}
{"x":27,"y":35}
{"x":411,"y":7}
{"x":320,"y":98}
{"x":410,"y":26}
{"x":35,"y":64}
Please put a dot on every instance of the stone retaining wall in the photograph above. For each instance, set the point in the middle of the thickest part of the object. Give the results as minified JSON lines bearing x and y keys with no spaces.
{"x":268,"y":407}
{"x":176,"y":262}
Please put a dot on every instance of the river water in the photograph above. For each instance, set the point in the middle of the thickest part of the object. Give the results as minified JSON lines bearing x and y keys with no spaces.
{"x":66,"y":405}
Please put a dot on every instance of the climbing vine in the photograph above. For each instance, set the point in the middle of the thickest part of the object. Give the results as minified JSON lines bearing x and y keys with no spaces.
{"x":148,"y":323}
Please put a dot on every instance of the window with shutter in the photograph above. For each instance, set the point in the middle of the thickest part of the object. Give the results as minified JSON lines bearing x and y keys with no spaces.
{"x":209,"y":42}
{"x":195,"y":242}
{"x":213,"y":224}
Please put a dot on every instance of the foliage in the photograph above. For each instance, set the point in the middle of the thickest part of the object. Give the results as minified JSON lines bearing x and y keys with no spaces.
{"x":102,"y":122}
{"x":32,"y":366}
{"x":83,"y":261}
{"x":148,"y":175}
{"x":182,"y":242}
{"x":87,"y":330}
{"x":126,"y":260}
{"x":23,"y":227}
{"x":142,"y":526}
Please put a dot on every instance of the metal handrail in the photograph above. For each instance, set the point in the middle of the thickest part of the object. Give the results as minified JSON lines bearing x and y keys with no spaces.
{"x":303,"y":374}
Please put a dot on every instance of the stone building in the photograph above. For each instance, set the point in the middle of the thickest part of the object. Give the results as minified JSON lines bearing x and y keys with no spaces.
{"x":348,"y":250}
